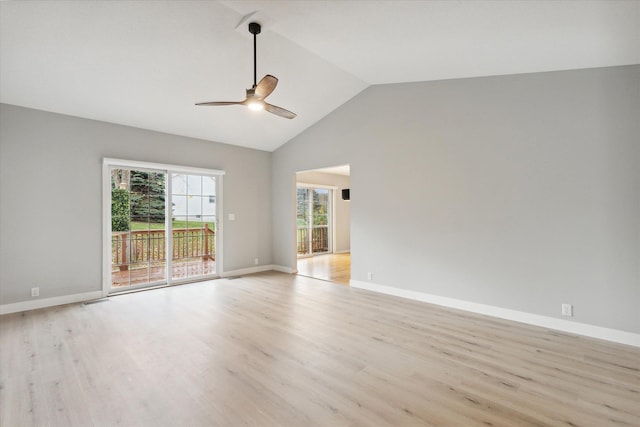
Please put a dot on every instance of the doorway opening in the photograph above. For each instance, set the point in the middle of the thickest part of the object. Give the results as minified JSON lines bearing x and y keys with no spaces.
{"x":160,"y":224}
{"x":323,"y":224}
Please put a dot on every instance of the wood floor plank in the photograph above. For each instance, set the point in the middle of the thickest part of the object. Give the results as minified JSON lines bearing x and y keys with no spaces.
{"x":332,"y":267}
{"x":284,"y":350}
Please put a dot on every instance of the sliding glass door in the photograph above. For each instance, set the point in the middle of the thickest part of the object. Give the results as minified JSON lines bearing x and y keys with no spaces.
{"x":314,"y":220}
{"x":138,"y":243}
{"x":162,"y":225}
{"x":193,"y":200}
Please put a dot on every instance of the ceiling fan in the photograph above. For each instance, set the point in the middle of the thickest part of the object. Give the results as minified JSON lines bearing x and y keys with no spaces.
{"x":258,"y":92}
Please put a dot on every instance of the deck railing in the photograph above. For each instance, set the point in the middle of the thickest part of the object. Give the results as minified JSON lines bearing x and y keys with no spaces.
{"x":141,"y":246}
{"x":319,"y":239}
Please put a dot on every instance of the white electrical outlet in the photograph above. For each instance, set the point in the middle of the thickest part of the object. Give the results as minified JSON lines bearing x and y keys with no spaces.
{"x":256,"y":261}
{"x":35,"y":292}
{"x":567,"y":310}
{"x":369,"y":276}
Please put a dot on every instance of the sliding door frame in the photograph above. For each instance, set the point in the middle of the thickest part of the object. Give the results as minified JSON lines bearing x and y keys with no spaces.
{"x":107,"y":165}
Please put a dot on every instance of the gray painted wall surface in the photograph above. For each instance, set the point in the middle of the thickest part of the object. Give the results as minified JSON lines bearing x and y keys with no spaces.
{"x":51,"y":197}
{"x":521,"y":191}
{"x":342,"y":214}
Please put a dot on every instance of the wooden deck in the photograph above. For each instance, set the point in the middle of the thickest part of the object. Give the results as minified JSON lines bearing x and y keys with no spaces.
{"x":156,"y":273}
{"x":138,"y":256}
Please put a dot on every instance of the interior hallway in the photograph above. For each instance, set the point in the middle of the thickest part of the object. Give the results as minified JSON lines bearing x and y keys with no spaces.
{"x":332,"y":267}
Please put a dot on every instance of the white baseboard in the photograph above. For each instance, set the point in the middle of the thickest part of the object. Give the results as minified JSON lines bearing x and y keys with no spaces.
{"x":248,"y":270}
{"x":258,"y":269}
{"x":592,"y":331}
{"x":283,"y":269}
{"x":48,"y":302}
{"x":346,"y":251}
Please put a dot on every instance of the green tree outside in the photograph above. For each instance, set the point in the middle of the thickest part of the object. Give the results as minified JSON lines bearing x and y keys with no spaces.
{"x":147,"y":193}
{"x":119,"y":210}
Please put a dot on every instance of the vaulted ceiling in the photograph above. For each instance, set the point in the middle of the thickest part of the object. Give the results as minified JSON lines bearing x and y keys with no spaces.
{"x":145,"y":63}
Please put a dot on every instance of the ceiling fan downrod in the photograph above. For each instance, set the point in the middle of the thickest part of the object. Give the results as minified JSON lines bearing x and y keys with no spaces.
{"x":254,"y":28}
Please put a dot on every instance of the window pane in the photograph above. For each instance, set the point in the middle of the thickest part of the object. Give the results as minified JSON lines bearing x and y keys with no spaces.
{"x":320,"y":207}
{"x":193,"y":223}
{"x":208,"y":205}
{"x":179,"y":222}
{"x":156,"y":222}
{"x":120,"y":179}
{"x":156,"y":208}
{"x":179,"y":206}
{"x":302,"y":207}
{"x":179,"y":246}
{"x":139,"y":182}
{"x":208,"y":186}
{"x":194,"y":185}
{"x":156,"y":183}
{"x":210,"y":222}
{"x":139,"y":211}
{"x":194,"y":207}
{"x":178,"y":184}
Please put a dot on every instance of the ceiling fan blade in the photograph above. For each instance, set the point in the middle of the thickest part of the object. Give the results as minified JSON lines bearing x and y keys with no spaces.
{"x":266,"y":86}
{"x":221,"y":103}
{"x":279,"y":111}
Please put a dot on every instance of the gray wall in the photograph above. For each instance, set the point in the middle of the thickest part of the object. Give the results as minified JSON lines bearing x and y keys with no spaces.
{"x":50,"y":197}
{"x":521,"y":191}
{"x":342,"y":212}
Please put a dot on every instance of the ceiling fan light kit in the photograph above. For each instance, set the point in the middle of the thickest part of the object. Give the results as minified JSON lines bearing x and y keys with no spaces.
{"x":255,"y":99}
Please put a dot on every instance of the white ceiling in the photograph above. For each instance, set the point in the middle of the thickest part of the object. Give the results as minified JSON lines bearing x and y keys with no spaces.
{"x":145,"y":63}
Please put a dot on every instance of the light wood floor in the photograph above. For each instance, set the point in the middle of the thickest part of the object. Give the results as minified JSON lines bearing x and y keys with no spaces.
{"x":332,"y":267}
{"x":284,"y":350}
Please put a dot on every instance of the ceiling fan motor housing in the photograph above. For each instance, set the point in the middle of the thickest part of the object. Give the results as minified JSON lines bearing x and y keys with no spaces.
{"x":254,"y":28}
